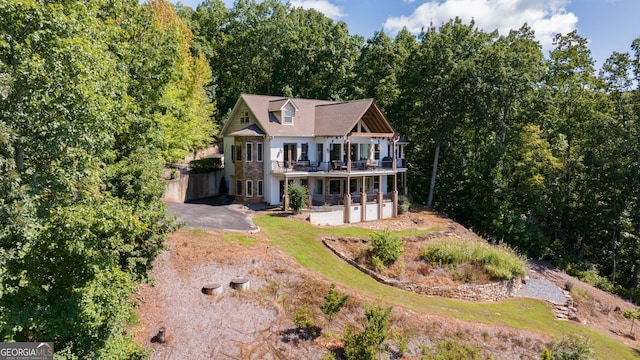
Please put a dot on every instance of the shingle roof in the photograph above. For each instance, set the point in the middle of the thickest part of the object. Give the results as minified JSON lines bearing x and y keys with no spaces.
{"x":251,"y":130}
{"x":314,"y":117}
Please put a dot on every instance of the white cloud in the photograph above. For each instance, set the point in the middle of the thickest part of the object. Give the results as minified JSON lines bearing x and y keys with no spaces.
{"x":545,"y":17}
{"x":323,"y":6}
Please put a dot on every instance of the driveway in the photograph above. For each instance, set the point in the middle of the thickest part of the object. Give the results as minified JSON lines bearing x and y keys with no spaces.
{"x":211,"y":214}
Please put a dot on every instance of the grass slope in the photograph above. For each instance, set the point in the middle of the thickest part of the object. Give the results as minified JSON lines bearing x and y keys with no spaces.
{"x":300,"y":240}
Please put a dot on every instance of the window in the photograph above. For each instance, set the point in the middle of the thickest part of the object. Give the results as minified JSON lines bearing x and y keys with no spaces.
{"x":319,"y":187}
{"x":304,"y":149}
{"x":244,"y":117}
{"x":376,"y":151}
{"x":249,"y":156}
{"x":288,"y":114}
{"x":319,"y":151}
{"x":260,"y":188}
{"x":238,"y":187}
{"x":335,"y":186}
{"x":376,"y":183}
{"x":367,"y":184}
{"x":259,"y":153}
{"x":239,"y":151}
{"x":249,"y":190}
{"x":364,"y":151}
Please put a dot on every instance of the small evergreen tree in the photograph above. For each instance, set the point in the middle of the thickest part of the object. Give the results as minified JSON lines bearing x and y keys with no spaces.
{"x":334,"y":301}
{"x":298,"y":195}
{"x":367,"y":344}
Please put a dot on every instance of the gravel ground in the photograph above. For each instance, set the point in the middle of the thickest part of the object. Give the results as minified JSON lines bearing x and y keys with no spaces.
{"x":541,"y":289}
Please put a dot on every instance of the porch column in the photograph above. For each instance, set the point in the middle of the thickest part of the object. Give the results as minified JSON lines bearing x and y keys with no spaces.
{"x":310,"y":196}
{"x":394,"y":195}
{"x":285,"y":197}
{"x":380,"y":197}
{"x":394,"y":159}
{"x":348,"y":148}
{"x":347,"y":208}
{"x":363,"y":200}
{"x":347,"y":201}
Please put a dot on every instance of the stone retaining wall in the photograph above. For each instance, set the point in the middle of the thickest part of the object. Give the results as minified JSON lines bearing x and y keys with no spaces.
{"x":486,"y":292}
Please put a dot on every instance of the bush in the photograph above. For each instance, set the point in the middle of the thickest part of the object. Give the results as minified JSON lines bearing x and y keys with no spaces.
{"x":386,"y":247}
{"x":366,"y":345}
{"x":499,"y":263}
{"x":205,"y":165}
{"x":453,"y":350}
{"x":572,"y":347}
{"x":302,"y":318}
{"x":298,"y":195}
{"x":333,"y":302}
{"x":404,"y":204}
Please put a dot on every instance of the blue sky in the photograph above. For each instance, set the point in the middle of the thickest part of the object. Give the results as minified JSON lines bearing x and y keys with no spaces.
{"x":609,"y":25}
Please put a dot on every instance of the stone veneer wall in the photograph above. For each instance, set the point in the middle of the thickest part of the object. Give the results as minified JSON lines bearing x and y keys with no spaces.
{"x":486,"y":292}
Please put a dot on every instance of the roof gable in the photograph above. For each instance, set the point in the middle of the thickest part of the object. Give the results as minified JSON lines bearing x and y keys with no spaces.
{"x":312,"y":117}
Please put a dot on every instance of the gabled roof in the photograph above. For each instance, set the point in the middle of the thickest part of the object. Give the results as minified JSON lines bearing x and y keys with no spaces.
{"x":313,"y":117}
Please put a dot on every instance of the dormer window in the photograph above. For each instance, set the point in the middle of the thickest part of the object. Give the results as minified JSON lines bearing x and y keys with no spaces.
{"x":244,"y":117}
{"x":287,"y":115}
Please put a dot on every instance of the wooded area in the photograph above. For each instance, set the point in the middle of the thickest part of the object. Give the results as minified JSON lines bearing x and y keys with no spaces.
{"x":539,"y":152}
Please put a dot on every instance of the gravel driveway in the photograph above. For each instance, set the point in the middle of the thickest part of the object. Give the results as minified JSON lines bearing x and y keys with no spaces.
{"x":541,"y":289}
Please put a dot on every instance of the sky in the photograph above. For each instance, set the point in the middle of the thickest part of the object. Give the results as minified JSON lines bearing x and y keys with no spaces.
{"x":609,"y":25}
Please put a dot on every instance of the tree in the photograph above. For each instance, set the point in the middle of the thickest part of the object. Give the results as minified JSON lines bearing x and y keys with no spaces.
{"x":333,"y":302}
{"x":367,"y":344}
{"x":434,"y":89}
{"x":633,"y":315}
{"x":80,"y":216}
{"x":298,"y":195}
{"x":185,"y":112}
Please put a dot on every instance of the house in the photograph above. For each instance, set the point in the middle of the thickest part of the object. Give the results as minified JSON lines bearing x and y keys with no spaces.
{"x":346,"y":153}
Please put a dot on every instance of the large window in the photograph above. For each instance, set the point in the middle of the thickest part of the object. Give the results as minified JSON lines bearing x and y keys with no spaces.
{"x":364,"y":151}
{"x":249,"y":190}
{"x":244,"y":117}
{"x":304,"y":151}
{"x":260,"y":188}
{"x":249,"y":156}
{"x":319,"y":152}
{"x":259,"y":154}
{"x":376,"y":151}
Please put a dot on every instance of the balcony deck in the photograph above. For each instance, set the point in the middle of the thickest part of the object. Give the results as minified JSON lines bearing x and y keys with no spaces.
{"x":337,"y":167}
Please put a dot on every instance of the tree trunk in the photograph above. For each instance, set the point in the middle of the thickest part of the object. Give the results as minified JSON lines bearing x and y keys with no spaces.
{"x":636,"y":275}
{"x":432,"y":185}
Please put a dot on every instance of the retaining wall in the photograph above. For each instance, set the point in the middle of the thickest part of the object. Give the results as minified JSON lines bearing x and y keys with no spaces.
{"x":193,"y":186}
{"x":485,"y":292}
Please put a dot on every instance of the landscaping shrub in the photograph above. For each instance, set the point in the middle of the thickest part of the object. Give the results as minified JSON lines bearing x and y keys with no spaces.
{"x":572,"y":347}
{"x":499,"y":263}
{"x":298,"y":195}
{"x":302,"y":318}
{"x":452,"y":350}
{"x":404,"y":204}
{"x":333,"y":302}
{"x":366,"y":344}
{"x":386,"y":246}
{"x":205,"y":165}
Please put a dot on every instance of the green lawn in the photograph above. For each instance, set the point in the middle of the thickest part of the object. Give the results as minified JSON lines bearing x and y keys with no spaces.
{"x":300,"y":240}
